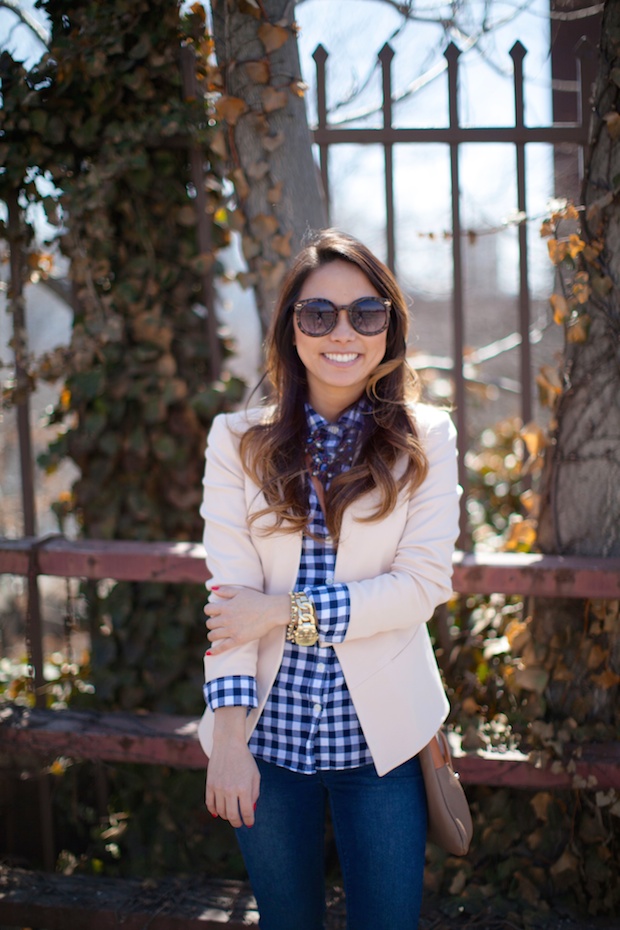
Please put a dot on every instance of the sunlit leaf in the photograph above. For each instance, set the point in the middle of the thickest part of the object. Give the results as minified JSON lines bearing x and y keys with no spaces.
{"x":558,"y":250}
{"x":577,"y":330}
{"x":230,"y":109}
{"x":560,"y":308}
{"x":534,"y":437}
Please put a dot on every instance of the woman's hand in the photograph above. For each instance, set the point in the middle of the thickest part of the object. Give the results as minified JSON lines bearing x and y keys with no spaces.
{"x":233,"y":779}
{"x":240,"y":615}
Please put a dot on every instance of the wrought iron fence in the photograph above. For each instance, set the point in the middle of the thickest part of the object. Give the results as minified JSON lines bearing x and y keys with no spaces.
{"x":454,"y":136}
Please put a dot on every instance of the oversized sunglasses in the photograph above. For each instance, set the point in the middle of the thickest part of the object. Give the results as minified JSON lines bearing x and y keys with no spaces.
{"x":318,"y":316}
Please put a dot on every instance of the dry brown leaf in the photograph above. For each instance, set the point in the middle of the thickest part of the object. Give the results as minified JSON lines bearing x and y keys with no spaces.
{"x":271,"y":143}
{"x":258,"y":71}
{"x":458,"y":882}
{"x":258,"y":170}
{"x":186,"y":215}
{"x":535,"y":839}
{"x":521,"y":535}
{"x":273,"y":37}
{"x":274,"y":194}
{"x":259,"y":123}
{"x":533,"y":678}
{"x":561,"y":672}
{"x":230,"y":109}
{"x":534,"y":438}
{"x":282,"y":244}
{"x":581,"y":287}
{"x":602,"y":284}
{"x":241,"y":185}
{"x":568,"y":862}
{"x":558,"y":250}
{"x":606,"y":679}
{"x":559,"y":305}
{"x":540,"y":802}
{"x":273,"y":99}
{"x":148,"y":328}
{"x":251,"y":248}
{"x":236,"y":220}
{"x":596,"y":657}
{"x":531,"y":503}
{"x":247,"y":279}
{"x":575,"y":245}
{"x":612,"y":119}
{"x":217,"y":144}
{"x":517,"y":634}
{"x":549,"y":385}
{"x":599,"y":204}
{"x":470,"y":706}
{"x":250,"y":8}
{"x":527,"y":889}
{"x":577,"y":330}
{"x":264,"y":225}
{"x":272,"y":274}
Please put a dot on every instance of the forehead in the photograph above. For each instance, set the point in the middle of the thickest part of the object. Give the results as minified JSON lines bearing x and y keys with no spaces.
{"x":338,"y":281}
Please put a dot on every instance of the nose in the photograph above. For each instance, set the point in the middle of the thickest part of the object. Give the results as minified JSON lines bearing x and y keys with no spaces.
{"x":343,"y":331}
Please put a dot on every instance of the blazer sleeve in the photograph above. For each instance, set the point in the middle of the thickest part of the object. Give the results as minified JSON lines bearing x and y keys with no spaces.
{"x":231,"y":556}
{"x":419,"y":578}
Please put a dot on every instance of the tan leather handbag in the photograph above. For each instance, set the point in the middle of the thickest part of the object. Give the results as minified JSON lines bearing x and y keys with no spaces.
{"x":449,"y":819}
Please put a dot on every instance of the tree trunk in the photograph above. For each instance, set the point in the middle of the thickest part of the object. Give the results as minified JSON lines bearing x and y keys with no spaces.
{"x":276,"y":180}
{"x":579,"y":643}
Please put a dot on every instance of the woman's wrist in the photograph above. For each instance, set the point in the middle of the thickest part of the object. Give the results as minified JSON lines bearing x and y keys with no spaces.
{"x":229,"y":723}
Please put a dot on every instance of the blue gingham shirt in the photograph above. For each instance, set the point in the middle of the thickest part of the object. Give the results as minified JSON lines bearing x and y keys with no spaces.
{"x":308,"y":722}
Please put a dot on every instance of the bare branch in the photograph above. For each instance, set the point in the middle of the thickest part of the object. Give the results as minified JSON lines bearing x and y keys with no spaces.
{"x":588,"y":11}
{"x":453,"y":29}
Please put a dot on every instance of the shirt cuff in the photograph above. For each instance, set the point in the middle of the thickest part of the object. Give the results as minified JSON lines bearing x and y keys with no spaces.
{"x":232,"y":691}
{"x":333,"y":606}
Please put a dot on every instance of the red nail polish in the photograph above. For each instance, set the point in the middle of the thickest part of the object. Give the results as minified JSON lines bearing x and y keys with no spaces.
{"x":214,"y":815}
{"x":255,"y":807}
{"x":208,"y":652}
{"x":215,"y":587}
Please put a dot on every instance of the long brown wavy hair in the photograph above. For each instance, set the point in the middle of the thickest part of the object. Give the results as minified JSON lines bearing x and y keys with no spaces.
{"x":273,"y":452}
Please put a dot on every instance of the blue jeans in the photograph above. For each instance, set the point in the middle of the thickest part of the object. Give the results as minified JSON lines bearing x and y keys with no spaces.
{"x":380,"y":831}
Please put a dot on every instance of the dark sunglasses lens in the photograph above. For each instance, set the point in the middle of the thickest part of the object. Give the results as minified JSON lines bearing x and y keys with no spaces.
{"x":369,"y":316}
{"x":316,"y":318}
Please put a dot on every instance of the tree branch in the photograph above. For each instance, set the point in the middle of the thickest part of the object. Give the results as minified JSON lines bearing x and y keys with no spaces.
{"x":40,"y":31}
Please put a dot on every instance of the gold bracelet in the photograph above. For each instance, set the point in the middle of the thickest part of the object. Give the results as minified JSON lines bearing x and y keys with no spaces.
{"x":302,"y":628}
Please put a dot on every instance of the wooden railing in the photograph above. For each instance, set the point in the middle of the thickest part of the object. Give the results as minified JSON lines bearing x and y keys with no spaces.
{"x":474,"y":573}
{"x":69,"y":902}
{"x":173,"y":740}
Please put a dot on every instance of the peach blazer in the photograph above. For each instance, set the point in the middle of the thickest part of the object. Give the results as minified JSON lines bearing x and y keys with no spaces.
{"x":397,"y":569}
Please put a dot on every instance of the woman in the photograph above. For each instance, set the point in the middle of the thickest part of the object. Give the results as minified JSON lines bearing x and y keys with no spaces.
{"x":330,"y":520}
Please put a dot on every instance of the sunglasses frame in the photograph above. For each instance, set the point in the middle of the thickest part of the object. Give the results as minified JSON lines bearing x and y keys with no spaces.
{"x":300,"y":304}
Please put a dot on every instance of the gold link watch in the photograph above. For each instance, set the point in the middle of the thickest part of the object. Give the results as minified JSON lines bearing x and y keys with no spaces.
{"x":302,"y":628}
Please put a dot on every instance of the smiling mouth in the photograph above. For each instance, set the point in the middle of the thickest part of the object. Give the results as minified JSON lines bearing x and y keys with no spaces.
{"x":341,"y":357}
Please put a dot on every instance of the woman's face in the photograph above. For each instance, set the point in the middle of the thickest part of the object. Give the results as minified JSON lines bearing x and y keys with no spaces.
{"x":339,"y":364}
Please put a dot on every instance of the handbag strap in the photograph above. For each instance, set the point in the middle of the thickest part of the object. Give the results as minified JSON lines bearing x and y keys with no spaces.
{"x":440,"y":750}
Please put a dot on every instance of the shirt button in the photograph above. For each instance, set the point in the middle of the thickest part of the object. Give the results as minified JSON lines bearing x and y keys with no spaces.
{"x":317,"y":708}
{"x":329,"y":579}
{"x":320,"y":667}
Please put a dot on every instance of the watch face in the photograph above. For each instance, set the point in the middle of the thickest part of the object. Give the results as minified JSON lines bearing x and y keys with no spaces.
{"x":306,"y":634}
